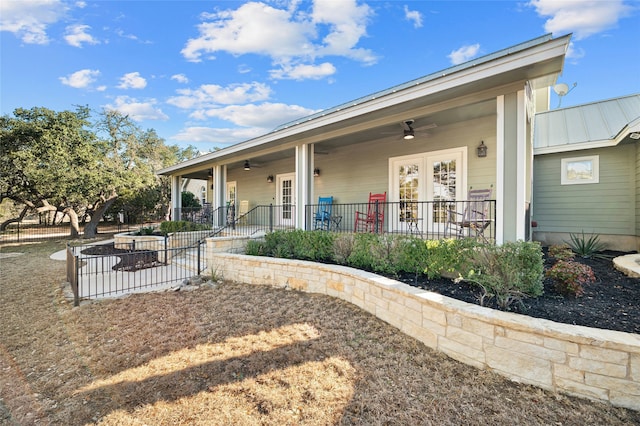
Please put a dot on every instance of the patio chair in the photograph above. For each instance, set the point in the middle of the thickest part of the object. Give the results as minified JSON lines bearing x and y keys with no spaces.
{"x":475,"y":218}
{"x":322,"y":217}
{"x":373,"y":219}
{"x":242,"y":213}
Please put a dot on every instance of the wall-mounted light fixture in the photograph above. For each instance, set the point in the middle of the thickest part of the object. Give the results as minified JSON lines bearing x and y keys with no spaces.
{"x":482,"y":149}
{"x":635,"y":135}
{"x":247,"y":166}
{"x":270,"y":179}
{"x":316,"y":172}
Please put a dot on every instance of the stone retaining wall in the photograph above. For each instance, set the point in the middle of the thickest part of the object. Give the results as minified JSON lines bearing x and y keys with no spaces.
{"x":582,"y":361}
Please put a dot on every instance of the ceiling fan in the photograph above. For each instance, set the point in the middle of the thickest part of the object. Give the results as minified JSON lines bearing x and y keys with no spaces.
{"x":410,"y":131}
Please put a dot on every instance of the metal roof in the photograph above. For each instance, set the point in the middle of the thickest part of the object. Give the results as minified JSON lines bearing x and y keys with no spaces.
{"x":585,"y":126}
{"x":438,"y":74}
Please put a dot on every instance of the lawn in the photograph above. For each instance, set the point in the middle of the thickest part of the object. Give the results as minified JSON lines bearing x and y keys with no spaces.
{"x":237,"y":354}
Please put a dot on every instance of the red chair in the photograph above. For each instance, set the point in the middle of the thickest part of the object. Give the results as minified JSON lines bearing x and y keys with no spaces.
{"x":373,"y":219}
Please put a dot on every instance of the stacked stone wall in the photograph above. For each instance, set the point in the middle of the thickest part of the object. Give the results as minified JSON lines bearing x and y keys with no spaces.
{"x":591,"y":363}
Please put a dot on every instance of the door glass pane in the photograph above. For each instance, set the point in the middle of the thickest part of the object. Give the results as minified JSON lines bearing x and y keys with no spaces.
{"x":408,"y":190}
{"x":444,"y":187}
{"x":287,"y":198}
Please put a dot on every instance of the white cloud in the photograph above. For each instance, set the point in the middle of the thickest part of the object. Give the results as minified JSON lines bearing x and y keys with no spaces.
{"x":303,"y":72}
{"x":464,"y":53}
{"x":77,"y":34}
{"x":582,"y":18}
{"x":216,"y":135}
{"x":80,"y":79}
{"x":137,"y":110}
{"x":29,"y":20}
{"x":180,"y":78}
{"x":291,"y":38}
{"x":209,"y":95}
{"x":265,"y":116}
{"x":132,"y":80}
{"x":413,"y":16}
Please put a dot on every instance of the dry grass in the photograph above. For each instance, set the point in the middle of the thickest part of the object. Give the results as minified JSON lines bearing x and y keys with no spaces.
{"x":237,"y":354}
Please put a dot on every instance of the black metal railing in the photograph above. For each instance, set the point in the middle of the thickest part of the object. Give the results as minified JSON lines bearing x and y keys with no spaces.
{"x":227,"y":220}
{"x":427,"y":219}
{"x":114,"y":269}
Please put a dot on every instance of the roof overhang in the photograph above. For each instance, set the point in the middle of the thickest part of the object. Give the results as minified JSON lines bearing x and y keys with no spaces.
{"x":538,"y":62}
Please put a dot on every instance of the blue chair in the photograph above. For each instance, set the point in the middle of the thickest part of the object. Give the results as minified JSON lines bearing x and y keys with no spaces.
{"x":322,"y":217}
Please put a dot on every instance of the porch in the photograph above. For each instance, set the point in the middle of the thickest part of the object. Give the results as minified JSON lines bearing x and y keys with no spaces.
{"x":424,"y":219}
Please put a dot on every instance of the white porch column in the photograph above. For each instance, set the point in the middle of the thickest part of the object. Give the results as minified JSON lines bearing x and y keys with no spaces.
{"x":176,"y":197}
{"x":522,"y":166}
{"x":512,"y":167}
{"x":499,"y":169}
{"x":304,"y":181}
{"x":219,"y":191}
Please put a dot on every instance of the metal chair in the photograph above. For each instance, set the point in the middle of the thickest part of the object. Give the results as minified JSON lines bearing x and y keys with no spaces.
{"x":373,"y":219}
{"x":322,"y":217}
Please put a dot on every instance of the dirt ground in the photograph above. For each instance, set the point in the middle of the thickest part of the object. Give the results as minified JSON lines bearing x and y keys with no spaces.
{"x":237,"y":354}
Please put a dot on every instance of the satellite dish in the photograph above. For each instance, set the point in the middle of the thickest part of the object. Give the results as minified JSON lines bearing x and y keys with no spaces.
{"x":561,"y":89}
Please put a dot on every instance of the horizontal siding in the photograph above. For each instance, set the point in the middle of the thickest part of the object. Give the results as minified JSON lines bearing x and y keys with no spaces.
{"x":608,"y":207}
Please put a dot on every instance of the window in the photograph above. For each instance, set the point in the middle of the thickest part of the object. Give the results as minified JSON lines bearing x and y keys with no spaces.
{"x":579,"y":170}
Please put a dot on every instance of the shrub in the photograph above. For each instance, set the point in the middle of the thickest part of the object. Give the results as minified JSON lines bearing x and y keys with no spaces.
{"x":171,"y":226}
{"x":342,"y":248}
{"x":146,"y":230}
{"x":410,"y":256}
{"x":450,"y":257}
{"x":586,"y":247}
{"x":570,"y":277}
{"x":255,"y":248}
{"x":368,"y":254}
{"x":561,"y":252}
{"x":510,"y":272}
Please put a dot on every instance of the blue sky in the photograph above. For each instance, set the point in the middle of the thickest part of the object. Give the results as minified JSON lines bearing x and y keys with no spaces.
{"x":213,"y":73}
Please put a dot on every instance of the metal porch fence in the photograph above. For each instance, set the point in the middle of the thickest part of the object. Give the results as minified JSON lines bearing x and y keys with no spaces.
{"x":425,"y":219}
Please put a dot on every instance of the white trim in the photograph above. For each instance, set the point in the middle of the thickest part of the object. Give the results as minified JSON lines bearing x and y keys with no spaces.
{"x":595,"y":170}
{"x":500,"y":121}
{"x":575,"y":147}
{"x":521,"y":166}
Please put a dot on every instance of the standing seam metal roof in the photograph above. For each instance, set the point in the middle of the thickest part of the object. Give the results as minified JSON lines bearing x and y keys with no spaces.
{"x":593,"y":122}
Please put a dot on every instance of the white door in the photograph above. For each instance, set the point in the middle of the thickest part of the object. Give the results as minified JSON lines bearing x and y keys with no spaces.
{"x":408,"y":188}
{"x":446,"y":176}
{"x":285,"y":185}
{"x":438,"y":177}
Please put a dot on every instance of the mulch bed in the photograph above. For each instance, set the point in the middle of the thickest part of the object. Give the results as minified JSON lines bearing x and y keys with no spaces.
{"x":611,"y":303}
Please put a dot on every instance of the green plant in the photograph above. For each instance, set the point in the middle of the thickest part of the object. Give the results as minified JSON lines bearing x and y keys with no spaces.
{"x":510,"y":272}
{"x":145,"y":230}
{"x":255,"y":248}
{"x":586,"y":247}
{"x":570,"y":277}
{"x":171,"y":226}
{"x":561,"y":252}
{"x":410,"y":255}
{"x":449,"y":257}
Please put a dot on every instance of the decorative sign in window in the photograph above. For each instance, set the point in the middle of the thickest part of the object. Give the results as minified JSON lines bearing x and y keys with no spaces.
{"x":580,"y":170}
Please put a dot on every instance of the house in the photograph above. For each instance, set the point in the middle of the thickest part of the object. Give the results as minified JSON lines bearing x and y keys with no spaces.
{"x":586,"y":173}
{"x":473,"y":125}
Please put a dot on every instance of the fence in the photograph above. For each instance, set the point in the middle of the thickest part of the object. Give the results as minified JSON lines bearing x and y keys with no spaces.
{"x":108,"y":270}
{"x":26,"y":231}
{"x":425,"y":219}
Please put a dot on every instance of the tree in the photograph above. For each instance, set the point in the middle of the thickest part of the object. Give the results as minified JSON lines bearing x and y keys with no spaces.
{"x":55,"y":161}
{"x":48,"y":160}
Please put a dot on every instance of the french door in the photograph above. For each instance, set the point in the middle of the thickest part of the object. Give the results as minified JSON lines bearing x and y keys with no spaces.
{"x":285,"y":184}
{"x":438,"y":177}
